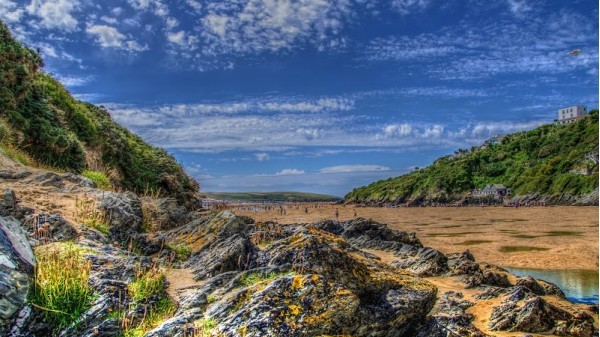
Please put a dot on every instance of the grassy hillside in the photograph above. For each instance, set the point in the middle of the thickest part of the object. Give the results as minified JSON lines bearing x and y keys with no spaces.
{"x":539,"y":160}
{"x":274,"y":196}
{"x":40,"y":120}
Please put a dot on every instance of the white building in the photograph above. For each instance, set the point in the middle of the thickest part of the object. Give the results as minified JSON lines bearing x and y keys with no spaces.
{"x":571,"y":114}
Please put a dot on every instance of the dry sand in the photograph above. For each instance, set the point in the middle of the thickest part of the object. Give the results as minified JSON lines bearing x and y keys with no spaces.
{"x":525,"y":237}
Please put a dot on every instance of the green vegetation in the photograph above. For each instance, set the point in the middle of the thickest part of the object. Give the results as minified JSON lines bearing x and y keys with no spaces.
{"x":61,"y":287}
{"x":147,"y":284}
{"x":253,"y":278}
{"x":88,"y":214}
{"x":274,"y":196}
{"x":40,"y":117}
{"x":162,"y":310}
{"x":540,"y":160}
{"x":515,"y":249}
{"x":182,"y":252}
{"x":99,"y":178}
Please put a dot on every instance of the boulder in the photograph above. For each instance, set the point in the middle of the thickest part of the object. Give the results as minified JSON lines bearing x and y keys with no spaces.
{"x":16,"y":269}
{"x":524,"y":311}
{"x":124,"y":214}
{"x":164,"y":213}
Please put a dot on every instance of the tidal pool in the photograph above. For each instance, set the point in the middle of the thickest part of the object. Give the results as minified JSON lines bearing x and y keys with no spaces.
{"x":580,"y":286}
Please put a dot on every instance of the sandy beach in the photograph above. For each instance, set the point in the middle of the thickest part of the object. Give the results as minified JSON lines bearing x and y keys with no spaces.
{"x":525,"y":237}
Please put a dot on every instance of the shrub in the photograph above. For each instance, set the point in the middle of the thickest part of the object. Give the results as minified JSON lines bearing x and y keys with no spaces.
{"x":61,"y":287}
{"x":99,"y":178}
{"x":182,"y":252}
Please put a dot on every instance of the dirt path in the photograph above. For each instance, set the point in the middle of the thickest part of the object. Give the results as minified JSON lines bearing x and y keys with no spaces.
{"x":179,"y":280}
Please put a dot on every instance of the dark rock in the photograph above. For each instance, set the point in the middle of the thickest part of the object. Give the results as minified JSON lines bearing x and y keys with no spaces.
{"x":449,"y":318}
{"x":124,"y":214}
{"x":490,"y":292}
{"x":524,"y":311}
{"x":48,"y":179}
{"x":16,"y":269}
{"x":78,"y":180}
{"x":164,"y":213}
{"x":11,"y":175}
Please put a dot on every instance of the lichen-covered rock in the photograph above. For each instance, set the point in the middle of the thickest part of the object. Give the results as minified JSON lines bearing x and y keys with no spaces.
{"x":524,"y":311}
{"x":368,"y":234}
{"x":124,"y":214}
{"x":16,"y":269}
{"x":475,"y":274}
{"x":449,"y":318}
{"x":306,"y":282}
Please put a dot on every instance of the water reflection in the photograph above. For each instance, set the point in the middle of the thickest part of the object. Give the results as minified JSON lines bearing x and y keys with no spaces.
{"x":580,"y":286}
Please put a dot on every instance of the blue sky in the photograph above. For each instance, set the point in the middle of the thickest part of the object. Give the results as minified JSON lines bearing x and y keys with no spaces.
{"x":315,"y":95}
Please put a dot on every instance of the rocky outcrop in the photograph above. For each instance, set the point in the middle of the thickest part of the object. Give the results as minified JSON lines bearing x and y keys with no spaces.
{"x":587,"y":199}
{"x":9,"y":205}
{"x":309,"y":282}
{"x":164,"y":213}
{"x":368,"y":234}
{"x":476,"y":274}
{"x":450,"y":319}
{"x":524,"y":311}
{"x":16,"y":269}
{"x":124,"y":214}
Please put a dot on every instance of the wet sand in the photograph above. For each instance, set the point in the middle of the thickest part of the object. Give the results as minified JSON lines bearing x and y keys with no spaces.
{"x":535,"y":237}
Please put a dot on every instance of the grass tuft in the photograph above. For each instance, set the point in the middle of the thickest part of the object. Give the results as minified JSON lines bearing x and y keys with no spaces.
{"x":147,"y":284}
{"x":99,"y":178}
{"x":16,"y":155}
{"x":88,"y":214}
{"x":61,"y":287}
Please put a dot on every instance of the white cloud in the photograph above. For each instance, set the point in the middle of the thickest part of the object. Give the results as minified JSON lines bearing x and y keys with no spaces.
{"x":519,"y":7}
{"x":353,"y":168}
{"x":262,"y":156}
{"x":108,"y":20}
{"x":110,"y":37}
{"x":397,"y":130}
{"x":9,"y":11}
{"x":287,"y":172}
{"x":117,"y":11}
{"x":55,"y":13}
{"x":323,"y":104}
{"x":74,"y":81}
{"x":257,"y":26}
{"x":408,"y":6}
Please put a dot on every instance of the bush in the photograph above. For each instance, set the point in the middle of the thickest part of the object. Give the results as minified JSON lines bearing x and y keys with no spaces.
{"x":99,"y":178}
{"x":61,"y":284}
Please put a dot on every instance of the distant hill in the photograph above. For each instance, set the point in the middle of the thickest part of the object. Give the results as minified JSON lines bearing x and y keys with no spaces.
{"x":550,"y":160}
{"x":42,"y":124}
{"x":274,"y":196}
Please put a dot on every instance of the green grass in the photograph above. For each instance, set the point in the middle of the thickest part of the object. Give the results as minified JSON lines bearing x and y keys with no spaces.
{"x":88,"y":214}
{"x":61,"y":284}
{"x":162,"y":310}
{"x":182,"y":252}
{"x":99,"y":178}
{"x":147,"y":284}
{"x":16,"y":155}
{"x":514,"y":249}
